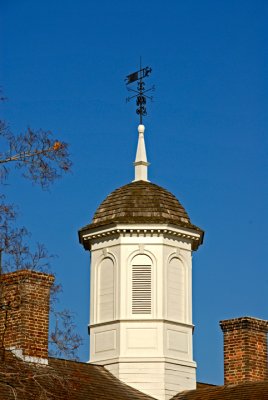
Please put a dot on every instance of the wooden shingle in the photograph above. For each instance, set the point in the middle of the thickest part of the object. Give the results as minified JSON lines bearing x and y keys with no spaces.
{"x":141,"y":202}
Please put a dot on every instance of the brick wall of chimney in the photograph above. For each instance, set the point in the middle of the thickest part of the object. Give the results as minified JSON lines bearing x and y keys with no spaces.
{"x":24,"y":313}
{"x":245,"y":350}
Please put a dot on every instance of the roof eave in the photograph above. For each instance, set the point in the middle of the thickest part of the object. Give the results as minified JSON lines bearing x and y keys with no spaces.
{"x":93,"y":231}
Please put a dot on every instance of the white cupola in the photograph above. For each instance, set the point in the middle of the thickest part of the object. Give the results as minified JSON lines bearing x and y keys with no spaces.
{"x":141,"y":241}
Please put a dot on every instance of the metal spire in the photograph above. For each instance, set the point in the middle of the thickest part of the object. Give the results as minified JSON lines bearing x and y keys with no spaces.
{"x":141,"y":164}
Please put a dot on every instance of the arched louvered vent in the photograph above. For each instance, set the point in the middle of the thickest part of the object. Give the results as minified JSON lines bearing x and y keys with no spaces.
{"x":141,"y":285}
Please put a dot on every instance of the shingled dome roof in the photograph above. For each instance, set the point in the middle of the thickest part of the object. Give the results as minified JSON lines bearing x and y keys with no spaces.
{"x":141,"y":202}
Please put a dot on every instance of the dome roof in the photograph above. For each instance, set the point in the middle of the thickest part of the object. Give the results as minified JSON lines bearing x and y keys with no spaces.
{"x":141,"y":202}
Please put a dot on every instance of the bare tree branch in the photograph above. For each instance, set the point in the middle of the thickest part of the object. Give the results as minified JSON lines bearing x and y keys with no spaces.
{"x":42,"y":159}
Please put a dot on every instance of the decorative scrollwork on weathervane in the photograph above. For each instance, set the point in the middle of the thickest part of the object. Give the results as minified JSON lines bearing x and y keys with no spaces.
{"x":140,"y":95}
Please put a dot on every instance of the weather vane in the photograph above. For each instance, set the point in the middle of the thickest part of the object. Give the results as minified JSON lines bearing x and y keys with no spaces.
{"x":140,"y":95}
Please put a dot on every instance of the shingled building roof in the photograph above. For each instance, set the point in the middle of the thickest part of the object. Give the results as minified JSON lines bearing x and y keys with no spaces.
{"x":60,"y":379}
{"x":141,"y":202}
{"x":70,"y":380}
{"x":245,"y":391}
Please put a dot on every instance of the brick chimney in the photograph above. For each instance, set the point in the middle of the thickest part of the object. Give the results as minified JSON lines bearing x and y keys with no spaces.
{"x":245,"y":350}
{"x":24,"y":314}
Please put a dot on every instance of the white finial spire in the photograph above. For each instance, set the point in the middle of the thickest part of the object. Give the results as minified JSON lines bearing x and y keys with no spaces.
{"x":141,"y":164}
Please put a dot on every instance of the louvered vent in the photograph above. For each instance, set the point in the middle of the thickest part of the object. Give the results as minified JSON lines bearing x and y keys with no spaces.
{"x":141,"y":289}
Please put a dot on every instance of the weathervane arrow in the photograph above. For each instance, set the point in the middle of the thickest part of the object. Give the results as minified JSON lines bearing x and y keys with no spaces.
{"x":132,"y":77}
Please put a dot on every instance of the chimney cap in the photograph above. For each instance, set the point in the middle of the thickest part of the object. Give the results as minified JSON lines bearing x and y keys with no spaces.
{"x":23,"y":274}
{"x":244,"y":323}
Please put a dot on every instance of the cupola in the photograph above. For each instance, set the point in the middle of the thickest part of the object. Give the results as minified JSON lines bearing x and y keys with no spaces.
{"x":141,"y":241}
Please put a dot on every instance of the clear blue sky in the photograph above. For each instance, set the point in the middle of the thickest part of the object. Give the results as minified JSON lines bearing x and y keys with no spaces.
{"x":62,"y":69}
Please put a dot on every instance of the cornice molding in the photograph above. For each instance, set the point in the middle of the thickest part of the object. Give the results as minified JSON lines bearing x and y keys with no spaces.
{"x":137,"y":231}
